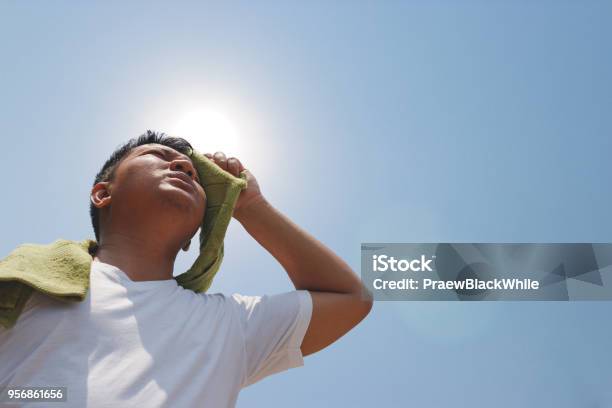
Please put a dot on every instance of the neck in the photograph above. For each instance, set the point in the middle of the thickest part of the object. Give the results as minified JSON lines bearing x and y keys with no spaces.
{"x":141,"y":259}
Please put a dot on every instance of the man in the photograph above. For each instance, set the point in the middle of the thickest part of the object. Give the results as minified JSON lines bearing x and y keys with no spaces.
{"x":141,"y":340}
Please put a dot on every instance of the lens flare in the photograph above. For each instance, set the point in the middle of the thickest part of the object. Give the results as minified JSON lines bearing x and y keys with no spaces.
{"x":209,"y":131}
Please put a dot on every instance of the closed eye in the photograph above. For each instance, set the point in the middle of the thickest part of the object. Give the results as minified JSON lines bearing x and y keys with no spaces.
{"x":163,"y":156}
{"x":158,"y":153}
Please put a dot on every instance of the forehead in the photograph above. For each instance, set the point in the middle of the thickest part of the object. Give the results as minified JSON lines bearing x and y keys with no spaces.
{"x":170,"y":151}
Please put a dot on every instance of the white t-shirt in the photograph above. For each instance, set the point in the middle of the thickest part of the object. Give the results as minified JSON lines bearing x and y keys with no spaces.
{"x":152,"y":343}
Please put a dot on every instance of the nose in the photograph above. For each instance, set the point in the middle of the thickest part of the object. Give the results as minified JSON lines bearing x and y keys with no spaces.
{"x":183,"y":165}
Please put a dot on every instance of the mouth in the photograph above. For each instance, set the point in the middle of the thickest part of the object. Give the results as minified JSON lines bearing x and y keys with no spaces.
{"x":182,"y":180}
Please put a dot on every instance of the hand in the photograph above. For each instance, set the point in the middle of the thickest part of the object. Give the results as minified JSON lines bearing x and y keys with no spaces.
{"x":250,"y":195}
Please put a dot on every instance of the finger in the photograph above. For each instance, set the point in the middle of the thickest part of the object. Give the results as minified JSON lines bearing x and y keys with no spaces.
{"x":241,"y":168}
{"x":233,"y":166}
{"x":248,"y":174}
{"x":221,"y":160}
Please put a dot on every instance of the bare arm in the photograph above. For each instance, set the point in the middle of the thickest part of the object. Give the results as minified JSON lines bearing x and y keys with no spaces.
{"x":336,"y":291}
{"x":339,"y":303}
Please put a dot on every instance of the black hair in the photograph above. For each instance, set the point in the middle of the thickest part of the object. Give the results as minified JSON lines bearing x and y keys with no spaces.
{"x":108,"y":170}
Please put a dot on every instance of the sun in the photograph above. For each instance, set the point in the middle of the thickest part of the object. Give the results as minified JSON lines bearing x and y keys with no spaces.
{"x":208,"y":131}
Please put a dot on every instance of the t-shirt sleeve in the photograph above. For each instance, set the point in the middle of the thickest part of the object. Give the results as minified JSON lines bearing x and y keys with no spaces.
{"x":273,"y":328}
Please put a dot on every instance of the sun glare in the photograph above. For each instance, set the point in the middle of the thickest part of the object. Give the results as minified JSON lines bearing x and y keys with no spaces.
{"x":209,"y":131}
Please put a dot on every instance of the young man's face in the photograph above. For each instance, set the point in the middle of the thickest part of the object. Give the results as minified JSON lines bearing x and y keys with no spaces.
{"x":158,"y":183}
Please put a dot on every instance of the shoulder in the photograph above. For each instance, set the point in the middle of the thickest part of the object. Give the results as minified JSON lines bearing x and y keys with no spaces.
{"x":283,"y":306}
{"x":254,"y":307}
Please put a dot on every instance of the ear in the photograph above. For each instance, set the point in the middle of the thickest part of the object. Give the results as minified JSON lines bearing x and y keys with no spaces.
{"x":100,"y":194}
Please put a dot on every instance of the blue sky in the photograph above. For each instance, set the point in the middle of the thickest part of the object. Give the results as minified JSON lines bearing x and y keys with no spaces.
{"x":364,"y":122}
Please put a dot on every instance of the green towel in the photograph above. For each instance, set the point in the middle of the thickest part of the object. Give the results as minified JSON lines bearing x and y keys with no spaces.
{"x":61,"y":269}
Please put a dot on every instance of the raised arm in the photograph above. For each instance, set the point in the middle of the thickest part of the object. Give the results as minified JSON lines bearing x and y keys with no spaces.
{"x":339,"y":300}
